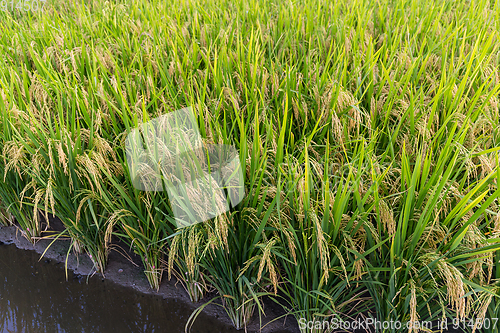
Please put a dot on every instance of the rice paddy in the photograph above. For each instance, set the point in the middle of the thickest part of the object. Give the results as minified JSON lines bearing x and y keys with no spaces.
{"x":368,"y":134}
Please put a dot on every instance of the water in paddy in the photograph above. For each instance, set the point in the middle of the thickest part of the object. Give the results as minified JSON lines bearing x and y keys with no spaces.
{"x":35,"y":297}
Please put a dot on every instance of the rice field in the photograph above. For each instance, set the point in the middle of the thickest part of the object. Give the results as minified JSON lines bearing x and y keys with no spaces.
{"x":368,"y":134}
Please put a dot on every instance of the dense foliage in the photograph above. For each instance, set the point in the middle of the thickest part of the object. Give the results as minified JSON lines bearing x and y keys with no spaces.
{"x":368,"y":133}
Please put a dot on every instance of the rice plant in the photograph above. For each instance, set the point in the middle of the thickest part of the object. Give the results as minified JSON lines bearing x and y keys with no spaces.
{"x":184,"y":261}
{"x":322,"y":244}
{"x":368,"y":135}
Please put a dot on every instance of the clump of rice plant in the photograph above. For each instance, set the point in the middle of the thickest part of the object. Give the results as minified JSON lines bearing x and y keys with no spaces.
{"x":144,"y":224}
{"x":235,"y":259}
{"x":322,"y":239}
{"x":14,"y":193}
{"x":184,"y":257}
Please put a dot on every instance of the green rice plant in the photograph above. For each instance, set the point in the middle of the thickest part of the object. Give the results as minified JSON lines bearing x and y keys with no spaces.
{"x":322,"y":240}
{"x":11,"y":189}
{"x":145,"y":233}
{"x":145,"y":223}
{"x":60,"y":150}
{"x":184,"y":257}
{"x":60,"y":163}
{"x":14,"y":177}
{"x":69,"y":191}
{"x":236,"y":257}
{"x":427,"y":277}
{"x":367,"y":131}
{"x":487,"y":308}
{"x":487,"y":305}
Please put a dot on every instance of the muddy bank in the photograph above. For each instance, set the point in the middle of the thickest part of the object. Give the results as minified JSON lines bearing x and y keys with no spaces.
{"x":125,"y":270}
